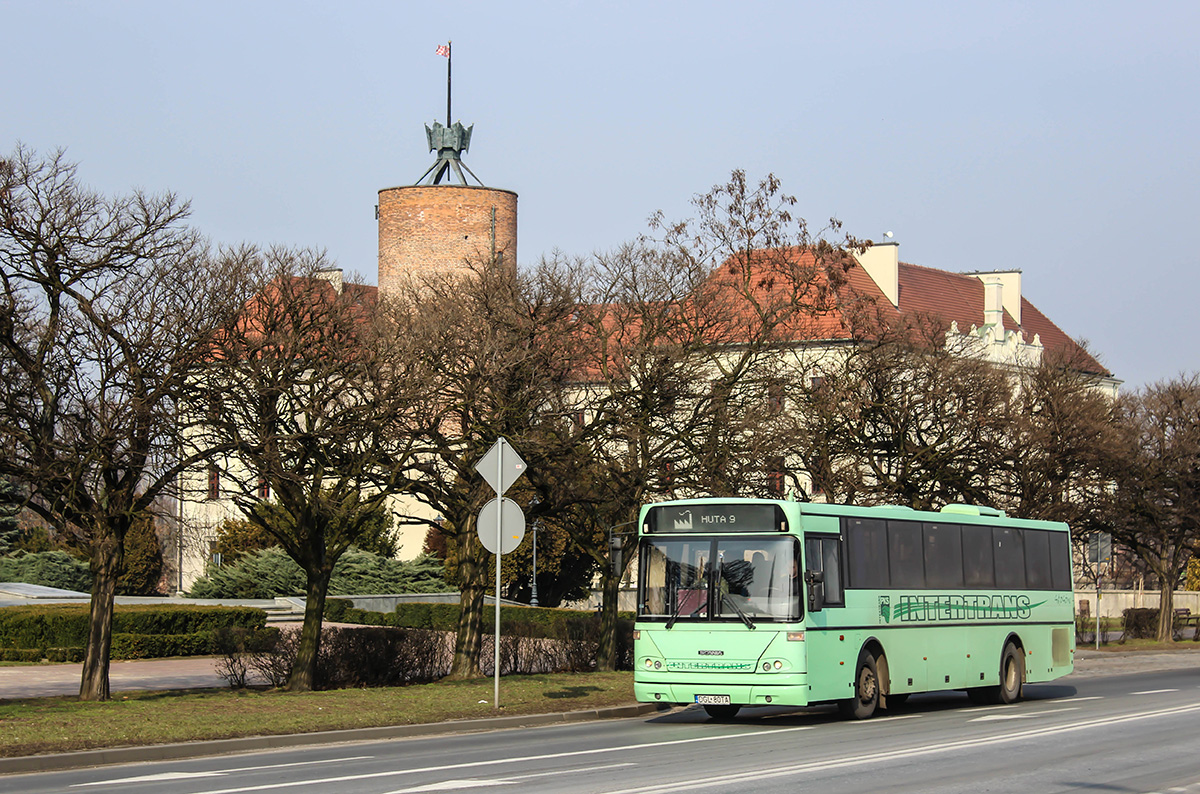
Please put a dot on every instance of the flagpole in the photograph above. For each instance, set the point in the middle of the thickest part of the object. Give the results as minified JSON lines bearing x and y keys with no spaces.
{"x":449,"y":60}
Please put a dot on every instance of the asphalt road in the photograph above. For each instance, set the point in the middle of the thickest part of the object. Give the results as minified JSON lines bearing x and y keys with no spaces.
{"x":1118,"y":733}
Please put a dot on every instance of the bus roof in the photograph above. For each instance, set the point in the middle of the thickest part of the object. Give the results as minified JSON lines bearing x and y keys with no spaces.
{"x":955,"y":513}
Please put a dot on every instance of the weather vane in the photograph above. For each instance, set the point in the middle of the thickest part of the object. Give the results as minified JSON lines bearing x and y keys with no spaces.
{"x":450,"y":142}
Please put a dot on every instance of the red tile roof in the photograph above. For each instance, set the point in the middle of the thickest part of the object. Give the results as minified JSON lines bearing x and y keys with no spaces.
{"x":927,"y":292}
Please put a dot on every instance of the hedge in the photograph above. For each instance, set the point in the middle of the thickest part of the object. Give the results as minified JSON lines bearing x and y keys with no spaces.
{"x":1141,"y":623}
{"x":526,"y":621}
{"x":59,"y":631}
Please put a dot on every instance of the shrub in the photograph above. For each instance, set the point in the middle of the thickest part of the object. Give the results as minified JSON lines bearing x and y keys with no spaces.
{"x":47,"y":568}
{"x":1141,"y":623}
{"x":236,"y":647}
{"x":270,"y":572}
{"x":575,"y":632}
{"x":141,"y":566}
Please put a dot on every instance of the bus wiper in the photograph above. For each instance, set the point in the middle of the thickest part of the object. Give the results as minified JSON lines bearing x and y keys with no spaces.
{"x":725,"y":599}
{"x":675,"y":613}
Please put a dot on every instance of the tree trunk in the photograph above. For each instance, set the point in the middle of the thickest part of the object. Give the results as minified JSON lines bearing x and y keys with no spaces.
{"x":304,"y":671}
{"x":606,"y":653}
{"x":469,"y":642}
{"x":106,"y":567}
{"x":1166,"y":609}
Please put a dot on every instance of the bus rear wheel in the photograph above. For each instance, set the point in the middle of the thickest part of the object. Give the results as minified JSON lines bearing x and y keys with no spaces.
{"x":722,"y":712}
{"x":866,"y":689}
{"x":1012,"y":677}
{"x":1012,"y":674}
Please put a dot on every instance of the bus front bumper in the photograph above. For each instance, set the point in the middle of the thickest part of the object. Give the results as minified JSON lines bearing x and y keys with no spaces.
{"x":686,"y":693}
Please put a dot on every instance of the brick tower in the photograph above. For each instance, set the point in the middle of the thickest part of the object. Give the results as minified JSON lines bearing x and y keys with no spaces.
{"x":433,"y":228}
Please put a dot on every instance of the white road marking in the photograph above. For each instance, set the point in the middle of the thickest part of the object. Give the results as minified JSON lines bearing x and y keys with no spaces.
{"x":1022,"y":716}
{"x":1154,"y":691}
{"x":1080,"y":700}
{"x":456,"y":785}
{"x":711,"y":781}
{"x":497,"y":761}
{"x":218,"y":772}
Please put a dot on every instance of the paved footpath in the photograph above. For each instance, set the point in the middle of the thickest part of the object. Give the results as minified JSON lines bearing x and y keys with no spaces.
{"x":48,"y":680}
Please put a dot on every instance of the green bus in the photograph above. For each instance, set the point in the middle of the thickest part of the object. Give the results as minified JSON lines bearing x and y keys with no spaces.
{"x":755,"y":602}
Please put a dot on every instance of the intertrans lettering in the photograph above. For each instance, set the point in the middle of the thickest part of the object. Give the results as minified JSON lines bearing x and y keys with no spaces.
{"x":914,"y":608}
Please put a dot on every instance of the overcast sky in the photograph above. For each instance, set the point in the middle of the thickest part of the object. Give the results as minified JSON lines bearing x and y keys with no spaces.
{"x":1059,"y":138}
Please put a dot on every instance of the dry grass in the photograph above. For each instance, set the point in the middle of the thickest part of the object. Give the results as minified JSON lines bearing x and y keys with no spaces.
{"x":1144,"y":645}
{"x":61,"y":724}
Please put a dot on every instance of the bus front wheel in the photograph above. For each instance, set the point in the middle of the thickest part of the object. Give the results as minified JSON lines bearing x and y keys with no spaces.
{"x":866,"y":689}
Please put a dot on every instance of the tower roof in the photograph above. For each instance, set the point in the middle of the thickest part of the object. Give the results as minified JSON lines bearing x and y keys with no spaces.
{"x":450,"y":143}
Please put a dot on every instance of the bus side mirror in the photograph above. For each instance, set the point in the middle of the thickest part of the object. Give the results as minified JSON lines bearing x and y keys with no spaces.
{"x":816,"y":590}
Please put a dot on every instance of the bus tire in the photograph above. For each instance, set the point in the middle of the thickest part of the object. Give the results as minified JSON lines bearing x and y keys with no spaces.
{"x":722,"y":712}
{"x":866,"y":689}
{"x":1012,"y":674}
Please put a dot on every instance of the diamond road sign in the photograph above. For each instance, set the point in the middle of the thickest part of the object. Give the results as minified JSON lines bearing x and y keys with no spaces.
{"x":501,"y":466}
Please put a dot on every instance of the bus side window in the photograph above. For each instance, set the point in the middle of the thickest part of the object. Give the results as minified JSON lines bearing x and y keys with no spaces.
{"x":906,"y":558}
{"x":977,"y":557}
{"x":1010,"y":557}
{"x":943,"y":556}
{"x":1037,"y":560}
{"x":824,"y":554}
{"x":1060,"y":560}
{"x":866,"y":553}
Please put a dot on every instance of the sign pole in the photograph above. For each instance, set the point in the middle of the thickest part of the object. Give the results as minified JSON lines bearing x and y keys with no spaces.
{"x":496,"y":636}
{"x":500,"y":476}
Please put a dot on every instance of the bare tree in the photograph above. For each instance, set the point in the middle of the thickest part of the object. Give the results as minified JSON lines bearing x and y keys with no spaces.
{"x":1155,"y":495}
{"x":310,"y":390}
{"x":494,"y":347}
{"x":1062,"y":436}
{"x":905,"y":418}
{"x":689,"y":335}
{"x":103,"y":302}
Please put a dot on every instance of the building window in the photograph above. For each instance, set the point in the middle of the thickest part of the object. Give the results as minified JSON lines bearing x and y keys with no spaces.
{"x":776,"y":479}
{"x":775,"y":399}
{"x":214,"y":482}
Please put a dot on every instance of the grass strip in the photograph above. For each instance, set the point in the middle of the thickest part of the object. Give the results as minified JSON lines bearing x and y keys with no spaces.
{"x":63,"y":724}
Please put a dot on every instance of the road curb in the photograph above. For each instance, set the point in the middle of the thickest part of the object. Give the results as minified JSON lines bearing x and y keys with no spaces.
{"x":172,"y":752}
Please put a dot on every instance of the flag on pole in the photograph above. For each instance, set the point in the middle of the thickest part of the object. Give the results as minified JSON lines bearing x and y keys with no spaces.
{"x":443,"y":50}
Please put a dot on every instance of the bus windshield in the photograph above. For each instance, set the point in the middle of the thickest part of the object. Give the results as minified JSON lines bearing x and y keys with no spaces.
{"x":753,"y":579}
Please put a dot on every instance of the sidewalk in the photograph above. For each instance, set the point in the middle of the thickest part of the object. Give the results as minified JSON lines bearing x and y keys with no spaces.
{"x":48,"y":680}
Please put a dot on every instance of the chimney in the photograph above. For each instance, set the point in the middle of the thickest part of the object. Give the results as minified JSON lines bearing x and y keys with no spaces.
{"x":333,"y":275}
{"x":993,"y":303}
{"x":882,"y":263}
{"x":1010,"y":281}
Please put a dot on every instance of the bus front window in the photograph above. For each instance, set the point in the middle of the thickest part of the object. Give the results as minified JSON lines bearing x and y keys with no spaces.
{"x":754,"y":579}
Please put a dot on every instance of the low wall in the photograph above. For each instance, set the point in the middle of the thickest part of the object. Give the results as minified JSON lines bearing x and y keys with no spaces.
{"x":1113,"y":603}
{"x":388,"y":603}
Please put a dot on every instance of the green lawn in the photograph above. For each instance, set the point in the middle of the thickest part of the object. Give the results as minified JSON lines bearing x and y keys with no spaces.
{"x":61,"y":724}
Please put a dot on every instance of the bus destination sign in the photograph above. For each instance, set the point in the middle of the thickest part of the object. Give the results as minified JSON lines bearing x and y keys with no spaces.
{"x":716,"y":518}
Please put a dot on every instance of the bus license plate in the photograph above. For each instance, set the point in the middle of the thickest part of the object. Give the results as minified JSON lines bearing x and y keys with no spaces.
{"x":712,"y":700}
